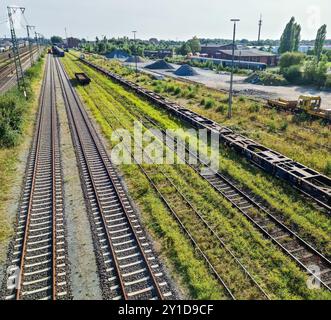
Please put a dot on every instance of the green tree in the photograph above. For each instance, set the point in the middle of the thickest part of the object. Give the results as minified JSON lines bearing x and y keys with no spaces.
{"x":56,"y":40}
{"x":185,"y":49}
{"x":296,"y":37}
{"x":290,"y":38}
{"x":319,"y":42}
{"x":194,"y":44}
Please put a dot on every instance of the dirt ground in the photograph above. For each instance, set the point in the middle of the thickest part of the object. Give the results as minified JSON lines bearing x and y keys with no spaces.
{"x":222,"y":82}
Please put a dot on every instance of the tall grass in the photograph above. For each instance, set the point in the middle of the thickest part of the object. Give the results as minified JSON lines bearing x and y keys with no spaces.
{"x":13,"y":108}
{"x":280,"y":275}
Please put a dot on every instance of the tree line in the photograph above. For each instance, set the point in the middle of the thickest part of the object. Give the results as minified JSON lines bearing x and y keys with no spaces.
{"x":299,"y":68}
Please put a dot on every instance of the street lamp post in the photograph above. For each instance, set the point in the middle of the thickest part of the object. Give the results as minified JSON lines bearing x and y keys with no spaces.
{"x":232,"y":68}
{"x":135,"y":50}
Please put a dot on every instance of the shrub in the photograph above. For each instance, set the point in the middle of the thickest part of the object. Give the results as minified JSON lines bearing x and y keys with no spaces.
{"x":255,"y":107}
{"x":191,"y":95}
{"x":293,"y":74}
{"x":289,"y":59}
{"x":271,"y":79}
{"x":11,"y":119}
{"x":271,"y":127}
{"x":177,"y":91}
{"x":203,"y":101}
{"x":242,"y":99}
{"x":170,"y":88}
{"x":209,"y":103}
{"x":283,"y":126}
{"x":222,"y":108}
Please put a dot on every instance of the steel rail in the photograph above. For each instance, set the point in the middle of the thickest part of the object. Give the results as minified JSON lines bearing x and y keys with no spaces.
{"x":205,"y":223}
{"x":160,"y":100}
{"x":35,"y":157}
{"x":92,"y":135}
{"x":294,"y":236}
{"x":301,"y":241}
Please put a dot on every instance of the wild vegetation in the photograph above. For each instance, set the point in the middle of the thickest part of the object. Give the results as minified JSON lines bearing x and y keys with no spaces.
{"x":16,"y":118}
{"x":105,"y":99}
{"x":296,"y":136}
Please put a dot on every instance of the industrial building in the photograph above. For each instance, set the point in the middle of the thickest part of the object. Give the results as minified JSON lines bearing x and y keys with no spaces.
{"x":250,"y":55}
{"x":224,"y":52}
{"x":210,"y":51}
{"x":159,"y":54}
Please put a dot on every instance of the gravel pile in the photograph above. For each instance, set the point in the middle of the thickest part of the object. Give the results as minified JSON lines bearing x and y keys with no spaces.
{"x":186,"y":71}
{"x":159,"y":65}
{"x":133,"y":59}
{"x":117,"y":54}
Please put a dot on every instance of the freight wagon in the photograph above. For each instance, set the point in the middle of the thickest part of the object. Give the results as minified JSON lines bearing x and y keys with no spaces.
{"x":57,"y":51}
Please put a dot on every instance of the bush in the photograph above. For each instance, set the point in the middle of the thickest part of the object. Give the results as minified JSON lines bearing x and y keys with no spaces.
{"x":271,"y":79}
{"x":293,"y":74}
{"x":315,"y":72}
{"x":177,"y":91}
{"x":222,"y":108}
{"x":328,"y":81}
{"x":209,"y":103}
{"x":170,"y":88}
{"x":11,"y":119}
{"x":289,"y":59}
{"x":254,"y":107}
{"x":283,"y":126}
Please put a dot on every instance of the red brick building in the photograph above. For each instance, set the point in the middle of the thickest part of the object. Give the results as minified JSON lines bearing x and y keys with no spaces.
{"x":211,"y":50}
{"x":251,"y":55}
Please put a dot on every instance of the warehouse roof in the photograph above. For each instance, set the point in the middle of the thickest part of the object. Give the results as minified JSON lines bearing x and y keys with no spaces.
{"x":248,"y":53}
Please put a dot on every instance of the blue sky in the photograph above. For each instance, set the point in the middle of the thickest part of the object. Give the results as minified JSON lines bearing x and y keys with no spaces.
{"x":170,"y":19}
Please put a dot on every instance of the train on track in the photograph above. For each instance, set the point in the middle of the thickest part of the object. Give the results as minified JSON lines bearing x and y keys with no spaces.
{"x":57,"y":51}
{"x":307,"y":180}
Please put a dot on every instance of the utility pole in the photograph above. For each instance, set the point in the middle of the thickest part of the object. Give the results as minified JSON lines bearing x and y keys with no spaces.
{"x":232,"y":68}
{"x":37,"y":42}
{"x":65,"y":30}
{"x":28,"y":28}
{"x":260,"y":27}
{"x":135,"y":50}
{"x":15,"y":48}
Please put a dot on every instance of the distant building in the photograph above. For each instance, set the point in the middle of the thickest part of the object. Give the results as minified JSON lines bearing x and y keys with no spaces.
{"x":159,"y":54}
{"x":251,"y":55}
{"x":211,"y":50}
{"x":73,"y":42}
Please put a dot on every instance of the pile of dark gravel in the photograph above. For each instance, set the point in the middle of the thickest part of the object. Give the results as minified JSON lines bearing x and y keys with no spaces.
{"x":160,"y":64}
{"x":117,"y":54}
{"x":186,"y":71}
{"x":133,"y":59}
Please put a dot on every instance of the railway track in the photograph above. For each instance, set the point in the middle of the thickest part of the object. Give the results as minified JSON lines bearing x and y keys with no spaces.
{"x":7,"y":71}
{"x":182,"y":210}
{"x":127,"y":264}
{"x":309,"y":182}
{"x":266,"y":219}
{"x":39,"y":267}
